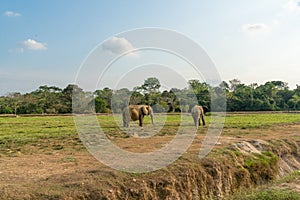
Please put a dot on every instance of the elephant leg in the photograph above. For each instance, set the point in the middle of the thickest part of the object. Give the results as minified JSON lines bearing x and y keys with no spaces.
{"x":126,"y":117}
{"x":141,"y":120}
{"x":124,"y":120}
{"x":197,"y":122}
{"x":125,"y":123}
{"x":203,"y":121}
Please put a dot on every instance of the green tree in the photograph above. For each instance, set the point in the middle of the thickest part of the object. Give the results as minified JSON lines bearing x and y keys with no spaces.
{"x":168,"y":100}
{"x":234,"y":83}
{"x":294,"y":102}
{"x":106,"y":95}
{"x":100,"y":105}
{"x":15,"y":100}
{"x":67,"y":95}
{"x":201,"y":91}
{"x":136,"y":98}
{"x":151,"y":84}
{"x":120,"y":99}
{"x":150,"y":89}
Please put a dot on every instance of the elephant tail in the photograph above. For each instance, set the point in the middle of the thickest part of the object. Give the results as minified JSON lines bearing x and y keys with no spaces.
{"x":145,"y":110}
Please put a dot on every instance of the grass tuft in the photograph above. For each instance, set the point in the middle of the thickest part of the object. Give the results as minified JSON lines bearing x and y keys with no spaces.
{"x":269,"y":194}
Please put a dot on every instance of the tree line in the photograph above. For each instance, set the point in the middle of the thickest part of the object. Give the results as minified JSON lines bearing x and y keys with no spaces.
{"x":232,"y":95}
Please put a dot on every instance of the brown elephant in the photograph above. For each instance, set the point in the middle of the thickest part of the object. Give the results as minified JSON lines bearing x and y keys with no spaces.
{"x":197,"y":113}
{"x":136,"y":112}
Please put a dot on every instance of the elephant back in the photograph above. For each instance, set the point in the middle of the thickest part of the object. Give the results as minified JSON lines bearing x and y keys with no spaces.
{"x":197,"y":110}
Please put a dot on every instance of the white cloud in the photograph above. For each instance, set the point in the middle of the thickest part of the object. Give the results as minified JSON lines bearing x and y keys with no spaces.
{"x":289,"y":8}
{"x":254,"y":28}
{"x":33,"y":45}
{"x":12,"y":14}
{"x":117,"y":45}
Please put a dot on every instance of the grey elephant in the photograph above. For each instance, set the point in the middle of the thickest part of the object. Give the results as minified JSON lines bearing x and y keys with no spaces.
{"x":136,"y":112}
{"x":198,"y":113}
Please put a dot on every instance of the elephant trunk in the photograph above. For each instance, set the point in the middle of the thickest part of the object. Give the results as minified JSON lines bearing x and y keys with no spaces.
{"x":151,"y":115}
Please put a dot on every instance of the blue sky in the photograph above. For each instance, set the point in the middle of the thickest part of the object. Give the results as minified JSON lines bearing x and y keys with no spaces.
{"x":45,"y":42}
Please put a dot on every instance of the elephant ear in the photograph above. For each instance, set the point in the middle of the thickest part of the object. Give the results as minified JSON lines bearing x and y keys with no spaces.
{"x":205,"y":109}
{"x":145,"y":110}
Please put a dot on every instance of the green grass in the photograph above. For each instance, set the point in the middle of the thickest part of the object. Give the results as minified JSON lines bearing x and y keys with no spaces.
{"x":262,"y":120}
{"x":263,"y":160}
{"x":69,"y":159}
{"x":268,"y":194}
{"x":35,"y":131}
{"x":41,"y":131}
{"x":56,"y":133}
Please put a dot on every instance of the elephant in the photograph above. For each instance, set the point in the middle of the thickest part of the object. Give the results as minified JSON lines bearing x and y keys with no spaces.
{"x":197,"y":113}
{"x":136,"y":112}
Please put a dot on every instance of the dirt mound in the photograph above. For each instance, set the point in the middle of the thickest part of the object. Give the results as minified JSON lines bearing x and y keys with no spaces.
{"x":77,"y":175}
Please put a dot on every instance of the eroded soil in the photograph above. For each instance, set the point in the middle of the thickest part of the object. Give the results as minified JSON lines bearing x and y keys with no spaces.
{"x":66,"y":173}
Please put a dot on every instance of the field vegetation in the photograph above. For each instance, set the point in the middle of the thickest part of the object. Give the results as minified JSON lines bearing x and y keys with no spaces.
{"x":17,"y":132}
{"x":43,"y":157}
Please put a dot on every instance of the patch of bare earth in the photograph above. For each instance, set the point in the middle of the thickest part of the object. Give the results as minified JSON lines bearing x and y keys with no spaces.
{"x":68,"y":174}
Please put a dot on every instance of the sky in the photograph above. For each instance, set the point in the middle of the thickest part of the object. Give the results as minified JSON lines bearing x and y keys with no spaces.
{"x":47,"y":42}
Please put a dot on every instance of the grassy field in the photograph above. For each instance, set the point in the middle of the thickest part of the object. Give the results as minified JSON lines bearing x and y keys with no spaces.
{"x":258,"y":120}
{"x":53,"y":131}
{"x":44,"y":134}
{"x":43,"y":156}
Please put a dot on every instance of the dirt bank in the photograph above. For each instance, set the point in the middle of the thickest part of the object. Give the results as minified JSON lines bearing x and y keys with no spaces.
{"x":235,"y":164}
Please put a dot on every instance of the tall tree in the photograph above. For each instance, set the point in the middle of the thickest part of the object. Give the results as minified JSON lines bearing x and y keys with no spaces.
{"x":150,"y":89}
{"x":201,"y":91}
{"x":106,"y":95}
{"x":151,"y":84}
